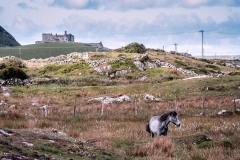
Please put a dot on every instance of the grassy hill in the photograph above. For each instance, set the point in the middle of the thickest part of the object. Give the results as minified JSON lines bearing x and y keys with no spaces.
{"x":6,"y":39}
{"x":119,"y":128}
{"x":45,"y":50}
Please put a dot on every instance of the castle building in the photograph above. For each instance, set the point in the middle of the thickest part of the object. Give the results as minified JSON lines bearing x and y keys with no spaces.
{"x":49,"y":37}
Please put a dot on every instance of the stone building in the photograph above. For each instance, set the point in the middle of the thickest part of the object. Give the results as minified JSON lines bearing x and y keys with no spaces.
{"x":49,"y":37}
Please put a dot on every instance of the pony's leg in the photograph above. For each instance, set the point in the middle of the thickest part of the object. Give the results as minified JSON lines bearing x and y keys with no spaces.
{"x":152,"y":134}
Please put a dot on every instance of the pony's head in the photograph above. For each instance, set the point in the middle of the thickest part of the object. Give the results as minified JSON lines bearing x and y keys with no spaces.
{"x":173,"y":117}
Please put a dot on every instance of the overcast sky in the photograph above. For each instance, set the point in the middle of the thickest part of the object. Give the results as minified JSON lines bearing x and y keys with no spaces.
{"x":116,"y":23}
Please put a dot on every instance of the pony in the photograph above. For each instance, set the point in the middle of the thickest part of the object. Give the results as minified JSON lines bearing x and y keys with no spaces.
{"x":158,"y":125}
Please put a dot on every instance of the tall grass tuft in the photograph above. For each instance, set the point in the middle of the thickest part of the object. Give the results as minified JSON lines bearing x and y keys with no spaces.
{"x":162,"y":147}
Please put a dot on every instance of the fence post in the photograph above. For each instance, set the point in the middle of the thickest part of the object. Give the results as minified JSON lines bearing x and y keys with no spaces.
{"x":135,"y":105}
{"x":203,"y":105}
{"x":102,"y":108}
{"x":234,"y":104}
{"x":176,"y":105}
{"x":26,"y":113}
{"x":75,"y":104}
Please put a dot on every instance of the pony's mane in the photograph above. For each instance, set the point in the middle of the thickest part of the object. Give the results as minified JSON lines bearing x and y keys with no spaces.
{"x":164,"y":116}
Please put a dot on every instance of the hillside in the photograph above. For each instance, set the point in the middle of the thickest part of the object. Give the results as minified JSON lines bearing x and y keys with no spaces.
{"x":6,"y":39}
{"x":39,"y":144}
{"x":46,"y":50}
{"x":100,"y":102}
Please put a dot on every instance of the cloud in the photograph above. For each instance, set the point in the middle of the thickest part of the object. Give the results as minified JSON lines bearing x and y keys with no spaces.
{"x":1,"y":9}
{"x":76,"y":4}
{"x":124,"y":5}
{"x":24,"y":26}
{"x":24,"y":5}
{"x":164,"y":29}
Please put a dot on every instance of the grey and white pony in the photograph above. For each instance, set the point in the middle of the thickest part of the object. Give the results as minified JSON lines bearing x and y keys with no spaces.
{"x":158,"y":125}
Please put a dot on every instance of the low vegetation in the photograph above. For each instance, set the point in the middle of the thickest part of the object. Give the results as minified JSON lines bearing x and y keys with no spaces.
{"x":132,"y":48}
{"x":117,"y":130}
{"x":12,"y":68}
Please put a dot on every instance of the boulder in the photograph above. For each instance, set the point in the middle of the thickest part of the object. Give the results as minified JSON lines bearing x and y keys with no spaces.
{"x":150,"y":97}
{"x":225,"y":113}
{"x":109,"y":100}
{"x":139,"y":65}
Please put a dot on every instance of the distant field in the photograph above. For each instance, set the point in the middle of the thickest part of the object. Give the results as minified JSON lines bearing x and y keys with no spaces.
{"x":45,"y":50}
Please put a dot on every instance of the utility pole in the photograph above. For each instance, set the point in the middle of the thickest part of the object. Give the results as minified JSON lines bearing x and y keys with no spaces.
{"x":175,"y":47}
{"x":202,"y":42}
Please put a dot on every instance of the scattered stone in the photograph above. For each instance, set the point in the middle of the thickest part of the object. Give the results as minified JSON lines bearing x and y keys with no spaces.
{"x":225,"y":113}
{"x":2,"y":132}
{"x":150,"y":97}
{"x":35,"y":104}
{"x":28,"y":144}
{"x":108,"y":100}
{"x":142,"y":77}
{"x":236,"y":100}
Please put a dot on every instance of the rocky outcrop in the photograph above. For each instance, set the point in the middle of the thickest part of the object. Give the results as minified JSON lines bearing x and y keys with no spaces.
{"x":108,"y":100}
{"x":158,"y":63}
{"x":16,"y":82}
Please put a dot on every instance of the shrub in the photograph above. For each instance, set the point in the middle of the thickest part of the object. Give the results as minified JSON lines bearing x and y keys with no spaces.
{"x":145,"y":59}
{"x":14,"y":62}
{"x":133,"y":48}
{"x":123,"y":64}
{"x":13,"y":72}
{"x":3,"y":65}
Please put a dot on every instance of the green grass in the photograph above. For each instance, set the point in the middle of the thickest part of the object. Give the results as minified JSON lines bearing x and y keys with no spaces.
{"x":45,"y":50}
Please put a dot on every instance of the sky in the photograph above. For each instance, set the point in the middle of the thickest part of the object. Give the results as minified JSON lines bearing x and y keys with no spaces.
{"x":155,"y":23}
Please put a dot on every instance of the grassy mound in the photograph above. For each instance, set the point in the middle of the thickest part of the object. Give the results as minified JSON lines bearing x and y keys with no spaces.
{"x":133,"y":48}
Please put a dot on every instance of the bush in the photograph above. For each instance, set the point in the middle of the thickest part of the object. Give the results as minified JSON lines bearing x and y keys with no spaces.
{"x":3,"y":65}
{"x":126,"y":64}
{"x":14,"y":62}
{"x":13,"y":72}
{"x":133,"y":48}
{"x":145,"y":59}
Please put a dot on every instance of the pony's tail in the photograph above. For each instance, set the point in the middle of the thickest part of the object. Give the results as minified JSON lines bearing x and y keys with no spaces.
{"x":148,"y":128}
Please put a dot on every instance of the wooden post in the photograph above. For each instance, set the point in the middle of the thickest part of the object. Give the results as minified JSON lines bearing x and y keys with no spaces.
{"x":135,"y":105}
{"x":75,"y":104}
{"x":26,"y":113}
{"x":176,"y":105}
{"x":102,"y":108}
{"x":43,"y":112}
{"x":203,"y":105}
{"x":234,"y":104}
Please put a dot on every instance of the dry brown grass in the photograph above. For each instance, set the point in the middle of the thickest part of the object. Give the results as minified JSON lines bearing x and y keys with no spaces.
{"x":159,"y":147}
{"x":120,"y":130}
